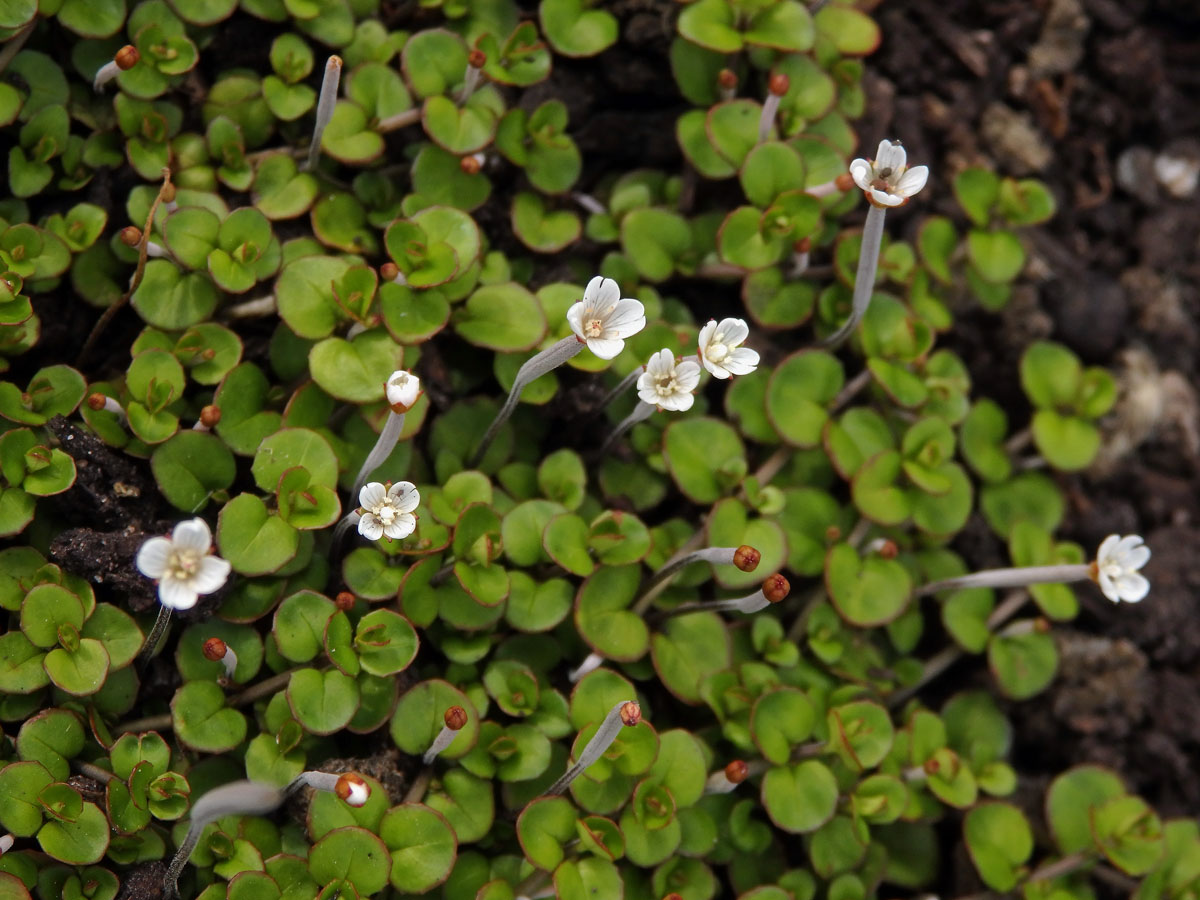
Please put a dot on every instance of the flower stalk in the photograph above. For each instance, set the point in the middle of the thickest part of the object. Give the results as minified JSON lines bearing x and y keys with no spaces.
{"x":725,"y":780}
{"x":97,"y":401}
{"x":124,"y":60}
{"x":402,"y":390}
{"x":210,"y":417}
{"x":217,"y":650}
{"x":590,"y":663}
{"x":745,"y":557}
{"x":476,"y":60}
{"x":773,"y":590}
{"x":625,"y":714}
{"x":777,"y":86}
{"x":1010,"y":578}
{"x":452,"y":723}
{"x":325,"y":106}
{"x":640,"y":413}
{"x":864,"y":277}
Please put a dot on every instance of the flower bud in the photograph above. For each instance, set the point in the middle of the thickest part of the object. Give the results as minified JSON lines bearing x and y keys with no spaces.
{"x":388,"y":271}
{"x":737,"y":771}
{"x":127,"y":57}
{"x":888,"y":549}
{"x":832,"y":534}
{"x":803,"y":245}
{"x":844,"y":182}
{"x":210,"y":415}
{"x":351,"y":788}
{"x":746,"y":558}
{"x":469,"y":165}
{"x":95,"y":401}
{"x":778,"y":84}
{"x":344,"y":601}
{"x":403,"y":388}
{"x":214,"y":649}
{"x":476,"y":59}
{"x":776,"y":588}
{"x":167,"y":193}
{"x":631,"y":714}
{"x":727,"y":79}
{"x":131,"y":235}
{"x":455,"y":718}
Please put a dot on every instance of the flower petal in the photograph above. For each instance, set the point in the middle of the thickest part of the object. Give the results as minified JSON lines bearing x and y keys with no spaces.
{"x":742,"y":361}
{"x":605,"y":348}
{"x":192,"y":535}
{"x":591,"y":293}
{"x":372,"y":495}
{"x":1136,"y":558}
{"x":705,"y":336}
{"x":211,"y":576}
{"x":1132,"y":587}
{"x":152,"y":557}
{"x":627,"y":319}
{"x":370,"y":527}
{"x":862,"y":173}
{"x":608,"y":294}
{"x":679,"y":402}
{"x":886,"y":199}
{"x":1125,"y":545}
{"x":687,"y":375}
{"x":1107,"y":587}
{"x":717,"y":370}
{"x":735,"y":331}
{"x":890,"y":156}
{"x":646,"y":392}
{"x":405,"y":496}
{"x":912,"y":181}
{"x":174,"y":594}
{"x":1107,"y":546}
{"x":402,"y":526}
{"x":575,"y":316}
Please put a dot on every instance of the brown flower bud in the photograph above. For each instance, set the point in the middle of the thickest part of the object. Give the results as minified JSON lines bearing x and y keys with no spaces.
{"x":737,"y":771}
{"x":351,"y":788}
{"x":455,"y":718}
{"x":727,"y":79}
{"x":214,"y":649}
{"x":469,"y":165}
{"x":832,"y":534}
{"x":131,"y":235}
{"x":95,"y":401}
{"x":631,"y":713}
{"x":210,"y":416}
{"x":746,"y":558}
{"x":778,"y":84}
{"x":844,"y":182}
{"x":476,"y":59}
{"x":1041,"y":626}
{"x":803,"y":245}
{"x":127,"y":57}
{"x":776,"y":588}
{"x":931,"y":766}
{"x":388,"y":271}
{"x":888,"y":549}
{"x":344,"y":601}
{"x":167,"y":192}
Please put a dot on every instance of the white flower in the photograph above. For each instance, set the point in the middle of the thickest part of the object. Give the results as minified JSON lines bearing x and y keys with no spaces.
{"x":721,"y":350}
{"x":1117,"y":564}
{"x":182,"y":564}
{"x":387,"y":511}
{"x":668,"y":384}
{"x":603,"y":320}
{"x":886,"y":179}
{"x":403,"y":388}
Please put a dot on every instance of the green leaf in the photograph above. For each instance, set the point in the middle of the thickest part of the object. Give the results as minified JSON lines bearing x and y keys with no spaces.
{"x":190,"y":467}
{"x":603,"y":617}
{"x":543,"y":827}
{"x":690,"y":648}
{"x":355,"y":370}
{"x":322,"y":701}
{"x":422,"y":844}
{"x":504,"y":317}
{"x":999,"y":841}
{"x":79,"y":671}
{"x":203,"y":722}
{"x":419,"y":717}
{"x":705,"y":456}
{"x":575,"y":31}
{"x":252,"y":540}
{"x":1072,"y":800}
{"x":800,"y":798}
{"x":779,"y":720}
{"x":78,"y":843}
{"x":799,"y":393}
{"x":352,"y":855}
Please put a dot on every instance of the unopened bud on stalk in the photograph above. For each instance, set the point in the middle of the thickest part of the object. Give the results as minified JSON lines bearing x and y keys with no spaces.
{"x":744,"y":557}
{"x":98,"y":401}
{"x":469,"y":165}
{"x":777,"y":86}
{"x":352,"y":789}
{"x":124,"y":60}
{"x":210,"y":417}
{"x":218,"y":651}
{"x":727,"y":82}
{"x":773,"y":590}
{"x":844,"y":182}
{"x":344,"y":601}
{"x":476,"y":59}
{"x":725,"y":780}
{"x":131,"y":235}
{"x":453,"y":722}
{"x":624,"y":714}
{"x":388,"y":271}
{"x":325,"y":105}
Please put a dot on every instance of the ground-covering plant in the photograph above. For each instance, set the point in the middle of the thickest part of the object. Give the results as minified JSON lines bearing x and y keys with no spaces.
{"x":669,"y":622}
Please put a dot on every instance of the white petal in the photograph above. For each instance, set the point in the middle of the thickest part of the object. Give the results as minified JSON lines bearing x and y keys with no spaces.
{"x":626,"y":319}
{"x":370,"y":527}
{"x":1107,"y":587}
{"x":886,"y":199}
{"x":1127,"y":543}
{"x":176,"y":594}
{"x":402,"y":526}
{"x":1136,"y":558}
{"x":742,"y":361}
{"x":152,"y":557}
{"x":575,"y":316}
{"x":591,"y":293}
{"x":405,"y":496}
{"x":862,"y":173}
{"x":660,"y":364}
{"x":890,"y":156}
{"x":402,"y":389}
{"x":605,"y":348}
{"x":1107,"y":546}
{"x":211,"y":576}
{"x":647,"y":393}
{"x":372,"y":495}
{"x":735,"y":331}
{"x":687,"y":375}
{"x":718,"y":371}
{"x":192,"y":535}
{"x":912,"y":181}
{"x":678,"y":402}
{"x":608,"y":294}
{"x":1132,"y":587}
{"x":705,"y":336}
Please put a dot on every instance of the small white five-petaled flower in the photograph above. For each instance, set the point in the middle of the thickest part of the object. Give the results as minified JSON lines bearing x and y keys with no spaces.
{"x":1116,"y":568}
{"x":668,"y":384}
{"x":603,"y":320}
{"x":182,"y":564}
{"x":402,"y":388}
{"x":721,"y":348}
{"x":887,"y":180}
{"x":387,"y":510}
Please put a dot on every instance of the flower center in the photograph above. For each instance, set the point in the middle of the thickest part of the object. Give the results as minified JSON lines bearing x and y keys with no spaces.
{"x":717,"y":350}
{"x":1112,"y":569}
{"x":664,"y":385}
{"x":594,"y":328}
{"x":182,"y":564}
{"x":386,"y":512}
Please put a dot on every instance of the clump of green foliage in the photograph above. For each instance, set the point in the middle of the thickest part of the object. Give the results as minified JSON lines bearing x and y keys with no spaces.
{"x":283,"y":297}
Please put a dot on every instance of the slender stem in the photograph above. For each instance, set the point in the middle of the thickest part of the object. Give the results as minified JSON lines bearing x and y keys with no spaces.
{"x":245,"y":698}
{"x":14,"y":44}
{"x":864,"y":279}
{"x":590,"y":662}
{"x":1061,"y":867}
{"x":589,"y":203}
{"x":325,"y":106}
{"x":416,"y":791}
{"x":640,"y":413}
{"x":383,"y":448}
{"x":470,"y":82}
{"x":1015,"y":577}
{"x":91,"y":771}
{"x":536,"y":366}
{"x":399,"y":120}
{"x":715,"y":555}
{"x":601,"y":741}
{"x":350,"y":520}
{"x":1018,"y":441}
{"x":622,"y":386}
{"x":156,"y":633}
{"x":767,"y":117}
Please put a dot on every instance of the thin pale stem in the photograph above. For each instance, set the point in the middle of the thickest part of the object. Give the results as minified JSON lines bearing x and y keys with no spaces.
{"x":1010,"y":578}
{"x":715,"y":555}
{"x":156,"y":633}
{"x":399,"y":120}
{"x":325,"y":106}
{"x":350,"y":520}
{"x":864,"y":279}
{"x":253,"y":309}
{"x":470,"y":82}
{"x":640,"y":413}
{"x":535,"y":367}
{"x":750,"y":604}
{"x":622,"y":386}
{"x":590,"y":663}
{"x":766,"y":119}
{"x":383,"y":448}
{"x":416,"y":791}
{"x":601,"y":741}
{"x":444,"y":739}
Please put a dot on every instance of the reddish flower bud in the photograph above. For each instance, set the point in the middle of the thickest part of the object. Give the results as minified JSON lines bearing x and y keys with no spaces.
{"x":344,"y":601}
{"x":131,"y":235}
{"x":127,"y":57}
{"x":469,"y":165}
{"x":167,"y":193}
{"x":803,"y":245}
{"x":455,"y":718}
{"x":931,"y":766}
{"x":778,"y":84}
{"x":631,"y":713}
{"x":888,"y":550}
{"x":95,"y":401}
{"x":351,"y":788}
{"x":776,"y":588}
{"x":746,"y":558}
{"x":388,"y":271}
{"x":727,"y":79}
{"x":210,"y":416}
{"x":1041,"y":626}
{"x":844,"y":182}
{"x":476,"y":59}
{"x":214,"y":649}
{"x":737,"y":771}
{"x":832,"y":534}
